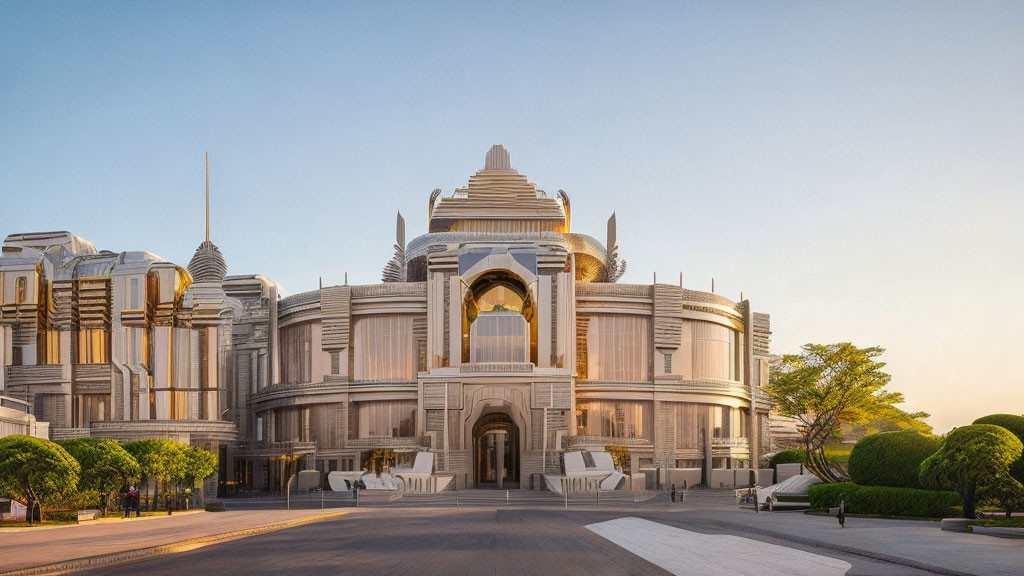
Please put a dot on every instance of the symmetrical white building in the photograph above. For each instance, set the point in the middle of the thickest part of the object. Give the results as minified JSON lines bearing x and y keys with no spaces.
{"x":498,"y":340}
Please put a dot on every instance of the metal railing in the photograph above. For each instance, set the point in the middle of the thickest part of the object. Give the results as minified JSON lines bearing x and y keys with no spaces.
{"x":457,"y":499}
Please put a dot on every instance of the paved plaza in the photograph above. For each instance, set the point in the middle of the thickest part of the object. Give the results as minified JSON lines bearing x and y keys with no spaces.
{"x":437,"y":542}
{"x":706,"y":534}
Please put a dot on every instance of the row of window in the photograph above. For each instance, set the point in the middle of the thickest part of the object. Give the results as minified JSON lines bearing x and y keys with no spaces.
{"x":397,"y":419}
{"x":618,"y":348}
{"x":323,"y":425}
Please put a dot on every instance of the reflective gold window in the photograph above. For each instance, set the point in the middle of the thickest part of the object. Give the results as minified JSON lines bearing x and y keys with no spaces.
{"x":93,"y":346}
{"x":20,"y":288}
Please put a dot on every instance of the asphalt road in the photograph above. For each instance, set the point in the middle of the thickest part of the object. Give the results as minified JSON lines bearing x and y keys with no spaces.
{"x":448,"y":542}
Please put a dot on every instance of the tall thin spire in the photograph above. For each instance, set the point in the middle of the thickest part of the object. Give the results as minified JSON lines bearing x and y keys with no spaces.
{"x":207,"y":195}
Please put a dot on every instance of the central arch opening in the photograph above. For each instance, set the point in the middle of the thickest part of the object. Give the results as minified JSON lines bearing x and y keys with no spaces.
{"x":496,"y":452}
{"x":499,"y":320}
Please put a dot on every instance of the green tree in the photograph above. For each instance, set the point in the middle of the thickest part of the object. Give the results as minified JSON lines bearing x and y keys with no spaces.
{"x":106,"y":467}
{"x":971,"y":459}
{"x":196,"y":465}
{"x":827,"y":386}
{"x":1007,"y":496}
{"x":159,"y":460}
{"x":33,"y":470}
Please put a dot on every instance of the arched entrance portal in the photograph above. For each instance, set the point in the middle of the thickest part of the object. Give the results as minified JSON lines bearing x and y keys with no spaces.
{"x":496,"y":451}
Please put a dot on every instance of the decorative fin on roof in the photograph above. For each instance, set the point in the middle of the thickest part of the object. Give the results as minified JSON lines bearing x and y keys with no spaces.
{"x":616,"y":266}
{"x":396,"y":269}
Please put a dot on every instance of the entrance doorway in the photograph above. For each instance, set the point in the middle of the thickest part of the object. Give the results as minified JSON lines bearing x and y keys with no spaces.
{"x":496,"y":452}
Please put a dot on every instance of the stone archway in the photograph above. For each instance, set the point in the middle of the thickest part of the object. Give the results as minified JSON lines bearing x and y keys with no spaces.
{"x":496,"y":451}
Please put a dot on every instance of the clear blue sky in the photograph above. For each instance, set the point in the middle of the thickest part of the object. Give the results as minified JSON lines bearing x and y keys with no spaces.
{"x":855,"y":169}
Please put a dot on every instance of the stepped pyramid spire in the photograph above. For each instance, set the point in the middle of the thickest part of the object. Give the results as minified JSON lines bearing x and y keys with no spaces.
{"x":498,"y":199}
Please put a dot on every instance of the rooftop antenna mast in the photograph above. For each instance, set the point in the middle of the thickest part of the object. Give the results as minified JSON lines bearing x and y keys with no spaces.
{"x":207,"y":196}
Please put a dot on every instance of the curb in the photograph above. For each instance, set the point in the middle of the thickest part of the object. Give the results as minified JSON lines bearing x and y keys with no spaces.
{"x":998,"y":531}
{"x":89,"y":562}
{"x":840,"y":548}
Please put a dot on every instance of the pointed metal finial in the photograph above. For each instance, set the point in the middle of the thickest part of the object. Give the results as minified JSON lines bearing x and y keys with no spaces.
{"x":712,"y":284}
{"x":207,"y":195}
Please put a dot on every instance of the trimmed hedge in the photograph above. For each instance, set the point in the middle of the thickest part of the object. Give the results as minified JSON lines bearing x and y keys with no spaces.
{"x":886,"y":500}
{"x":792,"y":456}
{"x":838,"y":455}
{"x":60,"y":515}
{"x":891,"y":458}
{"x":215,"y":507}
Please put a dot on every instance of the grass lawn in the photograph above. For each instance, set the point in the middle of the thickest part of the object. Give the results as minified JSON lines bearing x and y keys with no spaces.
{"x":838,"y":455}
{"x":1000,"y":522}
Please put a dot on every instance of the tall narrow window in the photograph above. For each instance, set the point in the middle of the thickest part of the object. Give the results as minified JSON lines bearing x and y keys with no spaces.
{"x":20,"y":288}
{"x":336,"y":362}
{"x":134,"y":296}
{"x":296,"y":353}
{"x":50,"y":346}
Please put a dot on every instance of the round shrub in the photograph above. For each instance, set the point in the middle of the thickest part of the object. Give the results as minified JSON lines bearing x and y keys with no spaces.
{"x":792,"y":456}
{"x":1011,"y":422}
{"x":1014,"y":424}
{"x":891,"y":458}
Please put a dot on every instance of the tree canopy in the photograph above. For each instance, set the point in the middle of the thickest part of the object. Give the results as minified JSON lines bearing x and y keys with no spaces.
{"x":827,"y":386}
{"x":106,"y":466}
{"x":1006,"y":492}
{"x":973,"y":458}
{"x":33,"y":470}
{"x":158,"y":458}
{"x":197,"y":464}
{"x":1015,"y":424}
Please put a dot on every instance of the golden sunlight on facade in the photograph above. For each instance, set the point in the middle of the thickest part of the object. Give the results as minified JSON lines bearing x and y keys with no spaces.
{"x":500,"y":343}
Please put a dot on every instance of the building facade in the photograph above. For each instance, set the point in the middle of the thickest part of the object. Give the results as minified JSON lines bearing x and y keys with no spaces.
{"x":497,"y":340}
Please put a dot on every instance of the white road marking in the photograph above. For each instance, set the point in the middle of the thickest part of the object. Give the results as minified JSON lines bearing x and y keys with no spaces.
{"x":687,"y":553}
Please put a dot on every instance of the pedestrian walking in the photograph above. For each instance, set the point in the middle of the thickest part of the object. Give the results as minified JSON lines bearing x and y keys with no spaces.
{"x":673,"y":493}
{"x":130,"y":499}
{"x":842,"y":511}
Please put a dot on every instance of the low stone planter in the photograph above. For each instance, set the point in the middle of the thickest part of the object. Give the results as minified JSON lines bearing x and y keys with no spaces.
{"x":86,"y":515}
{"x":955,"y":524}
